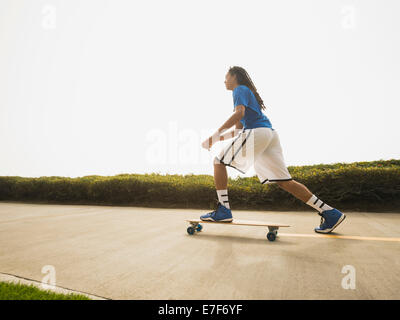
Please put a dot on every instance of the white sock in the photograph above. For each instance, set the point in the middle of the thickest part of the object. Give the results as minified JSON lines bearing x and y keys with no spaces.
{"x":223,"y":197}
{"x":318,"y":204}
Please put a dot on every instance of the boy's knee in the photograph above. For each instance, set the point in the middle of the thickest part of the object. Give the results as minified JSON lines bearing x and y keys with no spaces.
{"x":217,"y":161}
{"x":284,"y":184}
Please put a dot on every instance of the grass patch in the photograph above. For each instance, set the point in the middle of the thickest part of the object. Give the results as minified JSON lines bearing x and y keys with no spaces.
{"x":18,"y":291}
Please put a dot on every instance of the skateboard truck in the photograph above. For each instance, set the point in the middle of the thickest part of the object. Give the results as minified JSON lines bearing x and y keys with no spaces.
{"x":195,"y":226}
{"x":272,"y":233}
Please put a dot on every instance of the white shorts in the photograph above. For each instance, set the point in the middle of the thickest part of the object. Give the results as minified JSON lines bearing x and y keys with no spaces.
{"x":259,"y":147}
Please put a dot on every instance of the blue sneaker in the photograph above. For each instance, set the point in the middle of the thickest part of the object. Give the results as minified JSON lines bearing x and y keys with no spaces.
{"x":330,"y":219}
{"x":222,"y":214}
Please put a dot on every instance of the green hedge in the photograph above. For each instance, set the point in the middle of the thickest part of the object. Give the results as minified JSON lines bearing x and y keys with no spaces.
{"x":368,"y":186}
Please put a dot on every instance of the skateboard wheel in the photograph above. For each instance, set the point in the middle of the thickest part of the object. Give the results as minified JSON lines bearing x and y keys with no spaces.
{"x":190,"y":230}
{"x":199,"y":227}
{"x":271,"y":236}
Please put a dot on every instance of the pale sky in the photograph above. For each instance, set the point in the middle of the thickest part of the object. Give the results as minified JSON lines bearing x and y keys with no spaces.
{"x":109,"y":87}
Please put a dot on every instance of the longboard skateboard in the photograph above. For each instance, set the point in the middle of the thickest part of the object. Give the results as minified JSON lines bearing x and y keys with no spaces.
{"x":272,"y":226}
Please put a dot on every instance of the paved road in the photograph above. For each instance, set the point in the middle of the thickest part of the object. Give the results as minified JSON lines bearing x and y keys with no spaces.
{"x":144,"y":253}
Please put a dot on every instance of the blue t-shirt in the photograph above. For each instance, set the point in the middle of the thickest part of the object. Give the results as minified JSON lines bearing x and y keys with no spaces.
{"x":253,"y":116}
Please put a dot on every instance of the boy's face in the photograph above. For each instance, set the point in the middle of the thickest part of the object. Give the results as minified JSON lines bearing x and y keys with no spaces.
{"x":230,"y":81}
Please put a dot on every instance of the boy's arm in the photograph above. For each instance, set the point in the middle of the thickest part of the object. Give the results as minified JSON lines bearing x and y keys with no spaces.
{"x":239,"y":125}
{"x":233,"y":133}
{"x":233,"y":119}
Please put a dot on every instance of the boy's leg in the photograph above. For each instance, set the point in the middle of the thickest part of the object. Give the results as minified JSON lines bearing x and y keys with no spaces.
{"x":331,"y":217}
{"x":240,"y":154}
{"x":220,"y":176}
{"x":300,"y":191}
{"x":226,"y":157}
{"x":221,"y":183}
{"x":223,"y":212}
{"x":271,"y":167}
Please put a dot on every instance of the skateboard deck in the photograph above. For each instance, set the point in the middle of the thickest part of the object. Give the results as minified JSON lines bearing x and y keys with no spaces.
{"x":272,"y":226}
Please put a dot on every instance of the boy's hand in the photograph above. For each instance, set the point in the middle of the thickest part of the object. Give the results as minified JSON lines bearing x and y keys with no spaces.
{"x":207,"y":144}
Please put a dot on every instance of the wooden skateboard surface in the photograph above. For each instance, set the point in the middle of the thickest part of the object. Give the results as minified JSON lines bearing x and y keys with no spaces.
{"x":243,"y":223}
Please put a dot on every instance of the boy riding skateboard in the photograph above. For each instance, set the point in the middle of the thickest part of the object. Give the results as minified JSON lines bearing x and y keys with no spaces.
{"x":256,"y":143}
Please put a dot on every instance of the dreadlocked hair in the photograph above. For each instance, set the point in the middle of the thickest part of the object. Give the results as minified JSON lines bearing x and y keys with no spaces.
{"x":243,"y":78}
